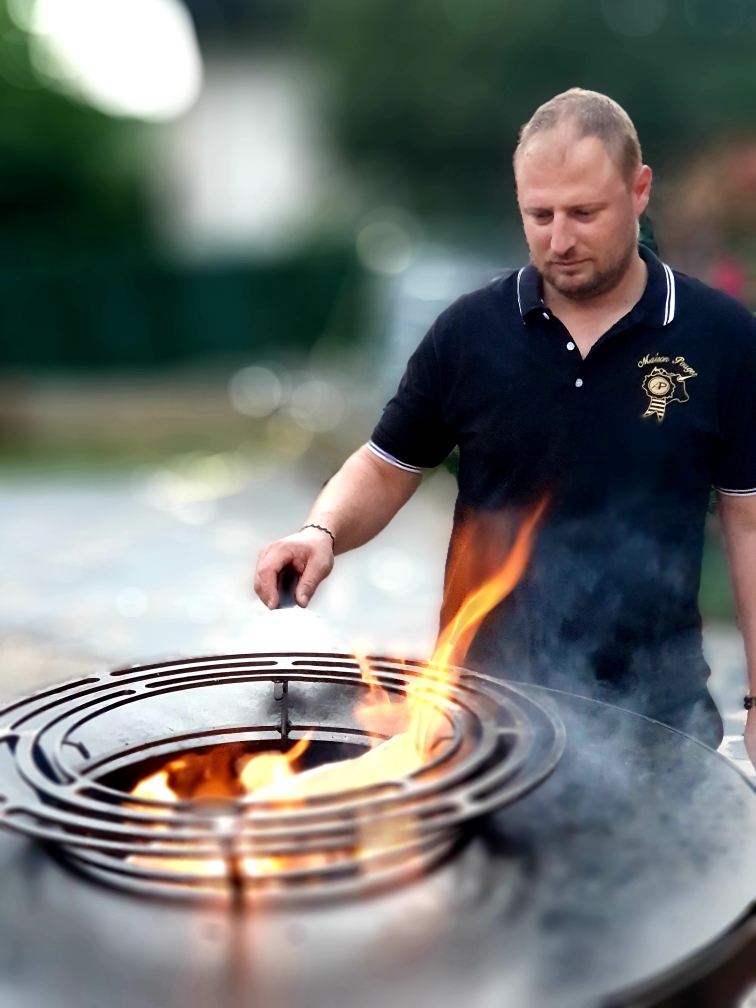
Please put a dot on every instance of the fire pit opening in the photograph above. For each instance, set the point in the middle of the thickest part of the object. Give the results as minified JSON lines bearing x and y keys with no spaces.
{"x":215,"y":771}
{"x":278,"y":777}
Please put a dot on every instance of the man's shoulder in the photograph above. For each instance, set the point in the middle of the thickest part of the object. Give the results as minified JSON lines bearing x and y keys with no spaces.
{"x":697,"y":301}
{"x":482,"y":308}
{"x":500,"y":289}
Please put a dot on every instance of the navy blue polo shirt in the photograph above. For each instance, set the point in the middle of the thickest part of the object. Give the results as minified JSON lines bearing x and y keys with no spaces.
{"x":626,"y":445}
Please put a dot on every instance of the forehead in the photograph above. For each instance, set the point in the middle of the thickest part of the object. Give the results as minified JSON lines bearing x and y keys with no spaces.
{"x":558,"y":167}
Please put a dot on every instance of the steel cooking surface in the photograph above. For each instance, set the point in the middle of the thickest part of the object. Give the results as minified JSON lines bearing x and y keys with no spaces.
{"x":63,"y":748}
{"x":634,"y":854}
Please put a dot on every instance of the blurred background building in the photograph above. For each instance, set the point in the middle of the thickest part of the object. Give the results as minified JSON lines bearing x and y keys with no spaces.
{"x":224,"y":225}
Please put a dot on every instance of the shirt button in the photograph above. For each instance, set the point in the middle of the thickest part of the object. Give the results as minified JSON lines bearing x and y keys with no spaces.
{"x":546,"y":315}
{"x":578,"y":382}
{"x":570,"y":345}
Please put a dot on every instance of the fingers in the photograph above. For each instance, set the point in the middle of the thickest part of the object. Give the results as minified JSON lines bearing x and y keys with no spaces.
{"x":319,"y":566}
{"x":311,"y":557}
{"x":270,"y":563}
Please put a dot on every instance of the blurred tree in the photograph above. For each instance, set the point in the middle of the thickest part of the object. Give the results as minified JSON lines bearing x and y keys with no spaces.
{"x":431,"y":93}
{"x":68,"y":175}
{"x":80,"y":281}
{"x":261,"y":20}
{"x":428,"y":96}
{"x":709,"y":216}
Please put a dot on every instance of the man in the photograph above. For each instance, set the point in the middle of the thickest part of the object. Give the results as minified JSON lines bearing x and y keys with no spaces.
{"x":602,"y":381}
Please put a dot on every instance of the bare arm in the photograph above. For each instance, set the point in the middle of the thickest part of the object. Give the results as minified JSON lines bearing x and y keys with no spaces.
{"x":738,"y":519}
{"x":356,"y":504}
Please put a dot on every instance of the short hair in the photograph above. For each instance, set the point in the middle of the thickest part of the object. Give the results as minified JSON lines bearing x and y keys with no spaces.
{"x":592,"y":114}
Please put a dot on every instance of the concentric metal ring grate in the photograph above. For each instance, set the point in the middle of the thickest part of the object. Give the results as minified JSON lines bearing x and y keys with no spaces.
{"x":60,"y":746}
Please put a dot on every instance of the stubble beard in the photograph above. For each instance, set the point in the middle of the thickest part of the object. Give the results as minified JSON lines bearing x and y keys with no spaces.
{"x":600,"y":282}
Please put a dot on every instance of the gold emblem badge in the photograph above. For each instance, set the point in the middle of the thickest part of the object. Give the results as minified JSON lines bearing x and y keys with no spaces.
{"x":664,"y":386}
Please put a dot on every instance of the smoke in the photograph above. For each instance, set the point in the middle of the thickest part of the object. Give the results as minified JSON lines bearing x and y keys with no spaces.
{"x":633,"y":853}
{"x":609,"y":612}
{"x":292,"y":629}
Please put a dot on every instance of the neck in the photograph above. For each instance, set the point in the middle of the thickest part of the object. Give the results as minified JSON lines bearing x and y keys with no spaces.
{"x":623,"y":295}
{"x":588,"y":320}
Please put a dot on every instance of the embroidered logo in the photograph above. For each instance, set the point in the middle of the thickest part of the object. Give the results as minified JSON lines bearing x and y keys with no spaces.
{"x":664,"y":386}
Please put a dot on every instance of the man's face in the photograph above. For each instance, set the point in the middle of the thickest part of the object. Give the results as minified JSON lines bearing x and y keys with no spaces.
{"x":580,"y":215}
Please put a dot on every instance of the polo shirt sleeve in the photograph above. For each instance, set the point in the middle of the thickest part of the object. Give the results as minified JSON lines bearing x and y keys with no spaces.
{"x":412,"y":433}
{"x":734,"y":463}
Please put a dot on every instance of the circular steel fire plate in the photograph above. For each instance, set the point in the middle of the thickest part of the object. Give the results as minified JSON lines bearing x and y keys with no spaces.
{"x":60,"y":748}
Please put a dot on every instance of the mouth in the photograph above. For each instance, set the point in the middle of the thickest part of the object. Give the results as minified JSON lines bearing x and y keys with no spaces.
{"x":569,"y":264}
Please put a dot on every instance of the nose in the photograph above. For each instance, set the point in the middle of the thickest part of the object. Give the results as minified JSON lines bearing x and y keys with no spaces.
{"x":562,"y":235}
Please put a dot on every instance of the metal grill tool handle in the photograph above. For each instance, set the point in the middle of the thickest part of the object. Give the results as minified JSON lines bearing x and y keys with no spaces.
{"x":288,"y":580}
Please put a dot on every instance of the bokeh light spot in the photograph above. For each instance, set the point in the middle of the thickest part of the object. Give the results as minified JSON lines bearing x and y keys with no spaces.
{"x":255,"y":391}
{"x":384,"y":247}
{"x":287,"y":439}
{"x":317,"y":406}
{"x":393,"y":571}
{"x":137,"y":58}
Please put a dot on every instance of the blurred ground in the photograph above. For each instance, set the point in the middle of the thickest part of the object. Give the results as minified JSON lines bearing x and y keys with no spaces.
{"x":94,"y":573}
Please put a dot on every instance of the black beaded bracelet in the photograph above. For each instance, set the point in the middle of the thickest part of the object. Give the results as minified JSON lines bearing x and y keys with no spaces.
{"x":322,"y":528}
{"x":749,"y":701}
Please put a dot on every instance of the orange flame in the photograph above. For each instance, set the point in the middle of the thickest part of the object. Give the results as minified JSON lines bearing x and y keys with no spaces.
{"x":269,"y":770}
{"x":404,"y":732}
{"x":426,"y":724}
{"x":457,"y":636}
{"x":376,"y":712}
{"x":219,"y":773}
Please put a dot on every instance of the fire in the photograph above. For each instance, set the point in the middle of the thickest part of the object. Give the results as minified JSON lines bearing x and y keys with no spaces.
{"x":219,"y":773}
{"x":404,"y":732}
{"x":270,"y":770}
{"x":156,"y":786}
{"x":458,"y":634}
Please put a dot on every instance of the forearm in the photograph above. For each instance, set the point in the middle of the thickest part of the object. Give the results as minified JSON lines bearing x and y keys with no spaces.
{"x":738,"y":520}
{"x":361,"y":499}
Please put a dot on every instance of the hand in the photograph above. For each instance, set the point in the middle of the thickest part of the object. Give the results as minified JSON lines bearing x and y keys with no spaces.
{"x":749,"y":735}
{"x":310,"y":552}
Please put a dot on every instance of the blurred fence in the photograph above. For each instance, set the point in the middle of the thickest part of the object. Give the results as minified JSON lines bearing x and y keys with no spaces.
{"x":126,"y":310}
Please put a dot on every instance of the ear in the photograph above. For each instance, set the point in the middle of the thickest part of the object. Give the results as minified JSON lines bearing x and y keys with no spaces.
{"x":642,"y":188}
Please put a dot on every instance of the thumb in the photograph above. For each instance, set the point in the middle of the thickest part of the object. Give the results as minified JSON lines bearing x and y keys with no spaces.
{"x":314,"y":572}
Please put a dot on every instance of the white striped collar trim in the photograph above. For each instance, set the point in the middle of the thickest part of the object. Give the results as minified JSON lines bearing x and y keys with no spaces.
{"x":391,"y":460}
{"x":671,"y":300}
{"x":519,"y":299}
{"x":736,"y":493}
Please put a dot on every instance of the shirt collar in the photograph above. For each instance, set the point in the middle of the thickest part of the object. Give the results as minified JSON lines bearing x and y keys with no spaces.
{"x":656,"y":307}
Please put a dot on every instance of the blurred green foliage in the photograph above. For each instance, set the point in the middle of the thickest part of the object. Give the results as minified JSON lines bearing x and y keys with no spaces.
{"x":80,"y":281}
{"x":715,"y":598}
{"x":68,"y":175}
{"x":431,"y":93}
{"x":426,"y":98}
{"x":128,"y":310}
